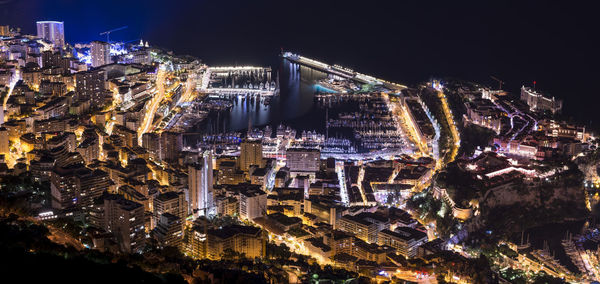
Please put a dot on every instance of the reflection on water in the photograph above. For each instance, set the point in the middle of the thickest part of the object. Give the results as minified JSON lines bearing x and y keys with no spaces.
{"x":294,"y":107}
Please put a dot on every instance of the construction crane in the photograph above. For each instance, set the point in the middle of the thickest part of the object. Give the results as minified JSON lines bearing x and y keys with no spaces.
{"x":500,"y":82}
{"x":107,"y":33}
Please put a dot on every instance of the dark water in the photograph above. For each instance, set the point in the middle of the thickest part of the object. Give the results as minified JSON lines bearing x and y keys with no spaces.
{"x":295,"y":106}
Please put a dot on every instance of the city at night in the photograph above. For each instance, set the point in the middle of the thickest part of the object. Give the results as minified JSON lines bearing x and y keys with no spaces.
{"x":299,"y":141}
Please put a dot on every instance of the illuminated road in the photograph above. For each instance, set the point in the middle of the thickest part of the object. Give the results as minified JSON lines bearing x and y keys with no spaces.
{"x":361,"y":175}
{"x":453,"y":129}
{"x":190,"y":88}
{"x":189,"y":94}
{"x":55,"y":235}
{"x":339,"y":169}
{"x":153,"y":104}
{"x":404,"y":122}
{"x":16,"y":77}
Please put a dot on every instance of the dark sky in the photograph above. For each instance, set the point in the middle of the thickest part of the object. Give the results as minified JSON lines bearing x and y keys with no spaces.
{"x":552,"y":42}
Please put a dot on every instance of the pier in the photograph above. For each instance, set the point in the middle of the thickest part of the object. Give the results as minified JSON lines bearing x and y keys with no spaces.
{"x":235,"y":80}
{"x":341,"y":71}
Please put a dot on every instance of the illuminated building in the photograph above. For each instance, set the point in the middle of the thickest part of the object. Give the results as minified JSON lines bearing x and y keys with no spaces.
{"x":52,"y":31}
{"x":405,"y":240}
{"x":141,"y":56}
{"x":228,"y":173}
{"x":485,"y":114}
{"x":303,"y":160}
{"x":281,"y":177}
{"x":562,"y":130}
{"x":90,"y":86}
{"x":125,"y":220}
{"x":229,"y":206}
{"x":170,"y":145}
{"x":134,"y":195}
{"x":41,"y":169}
{"x":4,"y":141}
{"x":538,"y":102}
{"x":291,"y":199}
{"x":151,"y":142}
{"x":250,"y":154}
{"x":100,"y":53}
{"x":259,"y":176}
{"x":89,"y":149}
{"x":283,"y":222}
{"x":66,"y":139}
{"x":253,"y":203}
{"x":76,"y":185}
{"x":50,"y":125}
{"x":4,"y":31}
{"x":32,"y":77}
{"x":325,"y":210}
{"x":317,"y":248}
{"x":360,"y":227}
{"x":250,"y":241}
{"x":169,"y":230}
{"x":55,"y":108}
{"x":170,"y":202}
{"x":129,"y":137}
{"x":200,"y":184}
{"x":52,"y":59}
{"x":15,"y":129}
{"x":339,"y":241}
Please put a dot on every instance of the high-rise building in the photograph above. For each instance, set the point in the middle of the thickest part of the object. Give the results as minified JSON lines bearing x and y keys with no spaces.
{"x":251,"y":154}
{"x":90,"y":85}
{"x":4,"y":31}
{"x":170,"y":145}
{"x":52,"y":31}
{"x":100,"y":53}
{"x":200,"y":184}
{"x":303,"y":160}
{"x":170,"y":202}
{"x":125,"y":220}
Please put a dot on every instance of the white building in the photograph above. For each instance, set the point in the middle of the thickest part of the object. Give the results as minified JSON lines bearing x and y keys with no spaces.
{"x":537,"y":102}
{"x":200,"y":183}
{"x":253,"y":203}
{"x":100,"y":53}
{"x":52,"y":31}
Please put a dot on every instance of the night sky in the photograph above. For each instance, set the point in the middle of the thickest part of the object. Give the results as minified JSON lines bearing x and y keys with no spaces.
{"x":552,"y":42}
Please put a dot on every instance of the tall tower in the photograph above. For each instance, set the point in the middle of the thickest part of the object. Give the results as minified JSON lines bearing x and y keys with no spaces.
{"x":52,"y":31}
{"x":200,"y":183}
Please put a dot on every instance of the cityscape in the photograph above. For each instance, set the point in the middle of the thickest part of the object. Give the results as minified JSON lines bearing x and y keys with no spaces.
{"x":124,"y":161}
